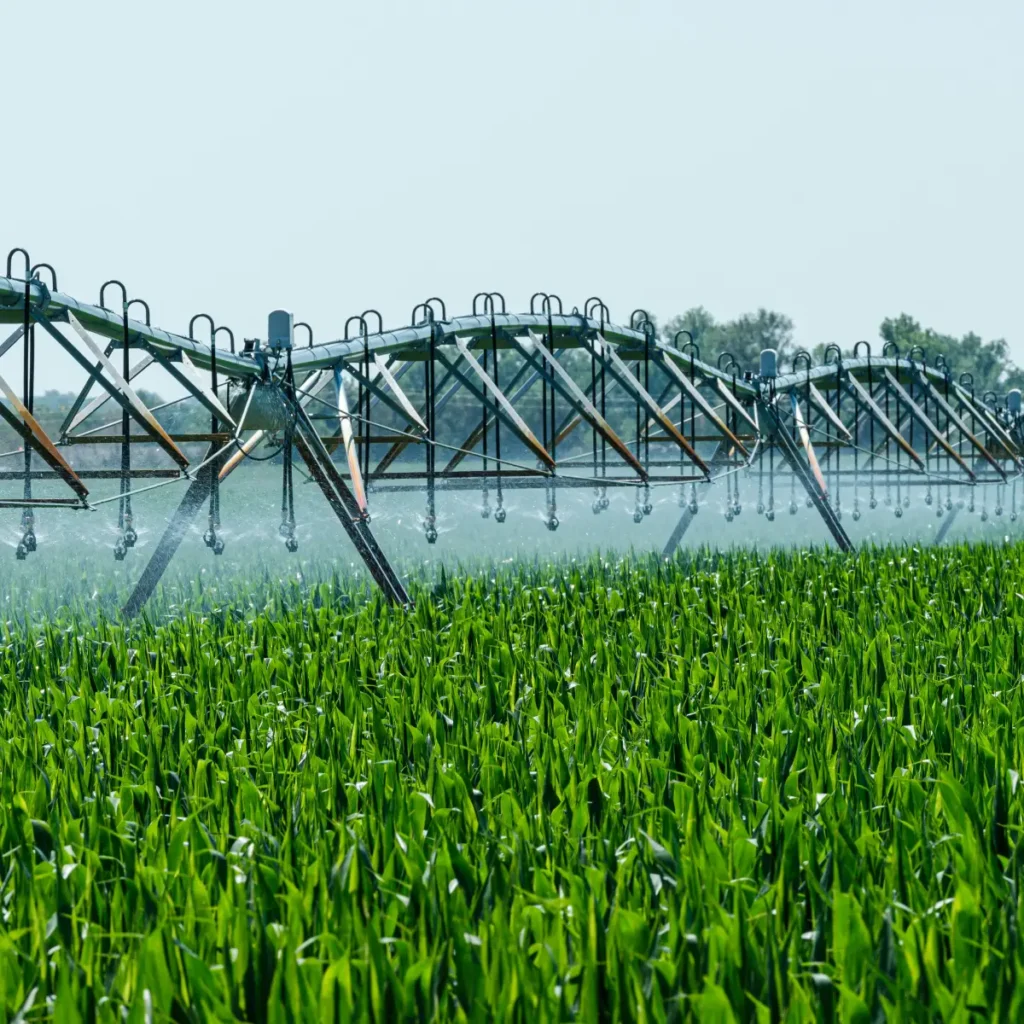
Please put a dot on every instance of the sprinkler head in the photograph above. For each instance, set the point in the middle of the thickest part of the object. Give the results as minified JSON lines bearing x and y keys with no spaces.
{"x":927,"y":499}
{"x":899,"y":511}
{"x":792,"y":508}
{"x":906,"y":501}
{"x":120,"y":550}
{"x":949,"y":504}
{"x":638,"y":515}
{"x":960,"y":504}
{"x":1013,"y":517}
{"x":809,"y":503}
{"x":770,"y":515}
{"x":984,"y":516}
{"x":648,"y":508}
{"x":284,"y":529}
{"x":856,"y":515}
{"x":728,"y":515}
{"x":605,"y":502}
{"x":209,"y":537}
{"x":873,"y":503}
{"x":737,"y":509}
{"x":485,"y":512}
{"x":130,"y":536}
{"x":499,"y":515}
{"x":760,"y":508}
{"x":552,"y":523}
{"x":21,"y":552}
{"x":999,"y":510}
{"x":939,"y":512}
{"x":292,"y":545}
{"x":218,"y":547}
{"x":693,"y":507}
{"x":596,"y":507}
{"x":30,"y":541}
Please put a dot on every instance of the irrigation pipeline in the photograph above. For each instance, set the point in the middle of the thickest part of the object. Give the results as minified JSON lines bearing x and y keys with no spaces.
{"x":541,"y":399}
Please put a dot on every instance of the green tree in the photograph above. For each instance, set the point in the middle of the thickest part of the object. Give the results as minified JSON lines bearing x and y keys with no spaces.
{"x":743,"y":338}
{"x":988,"y":361}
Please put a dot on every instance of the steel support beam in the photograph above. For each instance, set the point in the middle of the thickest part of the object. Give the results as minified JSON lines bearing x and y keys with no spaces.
{"x":791,"y":453}
{"x":119,"y":389}
{"x":568,"y":388}
{"x":606,"y":354}
{"x":311,"y":448}
{"x":351,"y":455}
{"x":28,"y":429}
{"x":687,"y":516}
{"x":947,"y":522}
{"x":680,"y":377}
{"x":954,"y":417}
{"x":198,"y":491}
{"x":856,"y":388}
{"x":922,"y":417}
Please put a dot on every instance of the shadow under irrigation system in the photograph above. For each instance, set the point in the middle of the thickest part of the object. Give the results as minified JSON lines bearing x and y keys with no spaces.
{"x":543,"y":399}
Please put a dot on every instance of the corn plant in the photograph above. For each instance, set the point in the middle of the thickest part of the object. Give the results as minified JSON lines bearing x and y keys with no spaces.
{"x":727,"y":788}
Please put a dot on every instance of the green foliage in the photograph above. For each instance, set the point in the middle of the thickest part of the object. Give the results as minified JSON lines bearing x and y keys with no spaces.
{"x":729,"y":788}
{"x":743,"y":337}
{"x":988,"y":361}
{"x":746,"y":336}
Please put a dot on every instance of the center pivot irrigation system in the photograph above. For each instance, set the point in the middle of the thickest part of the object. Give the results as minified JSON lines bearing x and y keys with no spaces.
{"x":545,"y":399}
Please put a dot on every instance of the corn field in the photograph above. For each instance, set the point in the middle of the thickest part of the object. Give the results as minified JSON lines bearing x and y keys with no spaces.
{"x":727,"y":788}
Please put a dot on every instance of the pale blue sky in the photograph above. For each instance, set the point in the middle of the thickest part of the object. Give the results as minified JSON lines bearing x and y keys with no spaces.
{"x":838,"y":162}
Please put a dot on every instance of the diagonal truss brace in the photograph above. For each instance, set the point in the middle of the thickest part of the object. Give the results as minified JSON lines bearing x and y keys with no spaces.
{"x":700,"y":402}
{"x":29,"y":429}
{"x":805,"y":437}
{"x":398,"y":401}
{"x":311,"y":448}
{"x":791,"y":453}
{"x":606,"y":354}
{"x":922,"y":417}
{"x":76,"y":418}
{"x":188,"y":377}
{"x":736,"y":405}
{"x":992,"y":425}
{"x":857,"y":389}
{"x":473,"y":438}
{"x":572,"y":393}
{"x":118,"y":388}
{"x":954,"y":417}
{"x":828,"y":412}
{"x":504,"y":406}
{"x":399,"y":446}
{"x":351,"y":455}
{"x":11,"y":340}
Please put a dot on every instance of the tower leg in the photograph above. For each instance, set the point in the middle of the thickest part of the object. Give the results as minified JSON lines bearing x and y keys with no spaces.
{"x":947,"y":522}
{"x":791,"y":453}
{"x":340,"y":498}
{"x":686,"y":517}
{"x":197,"y":493}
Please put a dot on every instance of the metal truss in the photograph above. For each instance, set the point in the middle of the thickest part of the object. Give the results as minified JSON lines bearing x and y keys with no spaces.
{"x":546,"y":398}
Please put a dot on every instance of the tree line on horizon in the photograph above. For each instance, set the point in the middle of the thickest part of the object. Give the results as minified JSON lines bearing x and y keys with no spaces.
{"x":744,"y":337}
